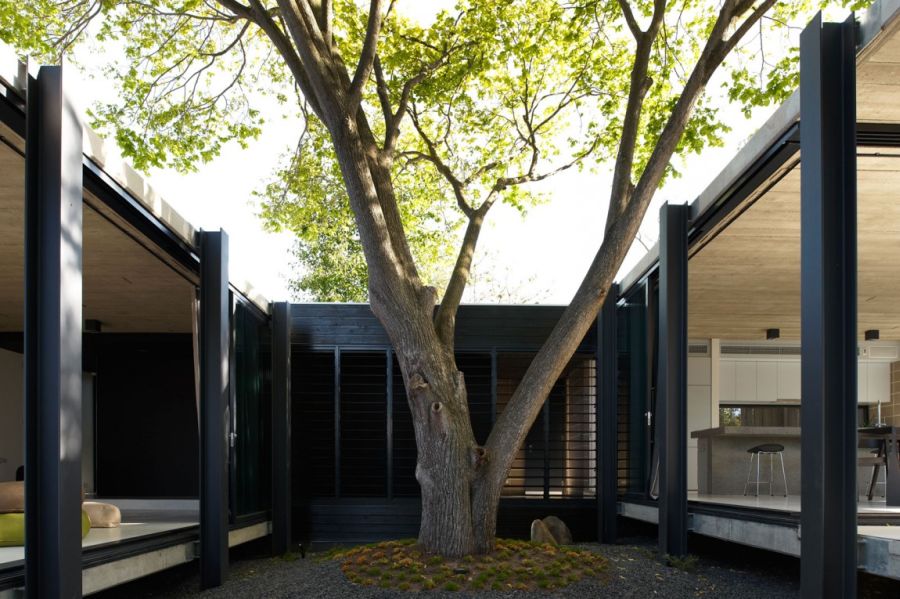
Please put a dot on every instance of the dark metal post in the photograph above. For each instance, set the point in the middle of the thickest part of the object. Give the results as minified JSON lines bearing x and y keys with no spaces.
{"x":53,"y":241}
{"x":606,"y":419}
{"x":672,"y":400}
{"x":215,"y":343}
{"x":281,"y":428}
{"x":828,"y":302}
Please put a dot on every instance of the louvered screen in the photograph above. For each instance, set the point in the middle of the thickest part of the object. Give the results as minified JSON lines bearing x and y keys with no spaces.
{"x":312,"y":420}
{"x":573,"y":432}
{"x":476,"y":367}
{"x":363,"y":446}
{"x":558,"y":457}
{"x":404,"y":450}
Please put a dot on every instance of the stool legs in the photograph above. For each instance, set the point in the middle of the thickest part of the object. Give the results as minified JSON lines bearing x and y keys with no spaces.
{"x":771,"y":481}
{"x":749,"y":471}
{"x":771,"y":475}
{"x":783,"y":473}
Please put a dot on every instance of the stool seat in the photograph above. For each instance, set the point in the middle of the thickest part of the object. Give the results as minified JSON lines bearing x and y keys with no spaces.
{"x":758,"y":451}
{"x":766,"y":448}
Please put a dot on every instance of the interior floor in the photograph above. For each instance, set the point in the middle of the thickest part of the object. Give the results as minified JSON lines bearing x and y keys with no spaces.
{"x":791,"y":503}
{"x":139,"y":519}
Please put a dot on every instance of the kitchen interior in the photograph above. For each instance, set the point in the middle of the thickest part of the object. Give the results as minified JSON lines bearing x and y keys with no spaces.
{"x":744,"y":371}
{"x":746,"y":394}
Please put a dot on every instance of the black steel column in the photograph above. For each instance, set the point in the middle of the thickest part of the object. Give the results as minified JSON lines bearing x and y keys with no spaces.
{"x":53,"y":240}
{"x":671,"y":404}
{"x":828,"y":302}
{"x":215,"y":343}
{"x":607,"y":421}
{"x":281,"y":428}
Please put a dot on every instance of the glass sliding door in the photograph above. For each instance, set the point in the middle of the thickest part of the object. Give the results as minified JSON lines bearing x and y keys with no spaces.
{"x":635,"y":368}
{"x":250,"y":439}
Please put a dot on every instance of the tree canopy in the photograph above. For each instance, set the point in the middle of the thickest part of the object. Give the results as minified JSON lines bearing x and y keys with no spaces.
{"x":415,"y":123}
{"x":496,"y":95}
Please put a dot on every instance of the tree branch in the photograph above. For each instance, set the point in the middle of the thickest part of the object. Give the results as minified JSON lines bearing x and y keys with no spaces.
{"x":620,"y":191}
{"x":433,"y":157}
{"x":263,"y":19}
{"x":366,"y":57}
{"x":384,"y":97}
{"x":392,"y":127}
{"x":445,"y":317}
{"x":521,"y":411}
{"x":530,"y":177}
{"x":322,"y":81}
{"x":630,"y":20}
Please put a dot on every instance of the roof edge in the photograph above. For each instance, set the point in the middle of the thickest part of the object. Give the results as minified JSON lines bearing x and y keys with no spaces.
{"x":13,"y":73}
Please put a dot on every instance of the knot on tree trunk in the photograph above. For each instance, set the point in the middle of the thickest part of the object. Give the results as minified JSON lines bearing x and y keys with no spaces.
{"x":479,"y":457}
{"x":417,"y":383}
{"x":436,"y":407}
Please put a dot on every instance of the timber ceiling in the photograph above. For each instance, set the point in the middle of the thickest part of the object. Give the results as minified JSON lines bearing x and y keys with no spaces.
{"x":878,"y":78}
{"x":747,"y":279}
{"x":126,"y":287}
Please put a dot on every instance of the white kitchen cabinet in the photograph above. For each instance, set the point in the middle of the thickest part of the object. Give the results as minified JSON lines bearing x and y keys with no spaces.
{"x":726,"y":381}
{"x":766,"y":381}
{"x":745,"y":381}
{"x":879,"y":382}
{"x":789,"y":380}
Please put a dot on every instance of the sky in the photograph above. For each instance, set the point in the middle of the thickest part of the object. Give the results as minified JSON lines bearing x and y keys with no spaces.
{"x":542,"y":256}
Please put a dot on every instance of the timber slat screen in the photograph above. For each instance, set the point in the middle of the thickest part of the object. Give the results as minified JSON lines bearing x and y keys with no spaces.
{"x":363,"y":442}
{"x":342,"y":441}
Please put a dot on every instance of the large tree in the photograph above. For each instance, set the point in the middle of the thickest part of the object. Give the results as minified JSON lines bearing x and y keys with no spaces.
{"x":491,"y":97}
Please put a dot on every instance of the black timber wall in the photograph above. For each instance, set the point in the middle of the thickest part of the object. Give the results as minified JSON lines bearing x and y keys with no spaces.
{"x":326,"y":512}
{"x":477,"y":327}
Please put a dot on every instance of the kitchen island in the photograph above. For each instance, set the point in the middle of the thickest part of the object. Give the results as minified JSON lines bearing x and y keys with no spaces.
{"x":723,"y":461}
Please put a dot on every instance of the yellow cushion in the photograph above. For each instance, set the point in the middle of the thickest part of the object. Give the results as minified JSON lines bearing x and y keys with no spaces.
{"x":12,"y":528}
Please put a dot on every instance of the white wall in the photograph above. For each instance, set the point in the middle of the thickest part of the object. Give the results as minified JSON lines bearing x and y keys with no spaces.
{"x":699,"y":408}
{"x":12,"y":413}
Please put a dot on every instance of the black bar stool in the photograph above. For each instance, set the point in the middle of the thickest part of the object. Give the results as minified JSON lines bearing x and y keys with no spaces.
{"x":771,"y":450}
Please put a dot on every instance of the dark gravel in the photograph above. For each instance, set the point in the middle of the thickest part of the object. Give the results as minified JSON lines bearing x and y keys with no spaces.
{"x":721,"y":570}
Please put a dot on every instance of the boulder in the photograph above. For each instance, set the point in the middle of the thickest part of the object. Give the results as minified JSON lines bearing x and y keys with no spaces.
{"x":558,"y":529}
{"x":540,"y":533}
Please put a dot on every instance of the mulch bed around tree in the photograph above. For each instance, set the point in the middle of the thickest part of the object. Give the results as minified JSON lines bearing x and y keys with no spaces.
{"x":515,"y":565}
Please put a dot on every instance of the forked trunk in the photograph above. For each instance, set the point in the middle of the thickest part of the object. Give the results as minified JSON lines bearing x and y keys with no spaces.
{"x":458,"y":517}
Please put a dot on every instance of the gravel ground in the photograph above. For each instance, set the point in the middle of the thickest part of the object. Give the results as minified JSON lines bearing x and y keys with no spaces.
{"x":634,"y":571}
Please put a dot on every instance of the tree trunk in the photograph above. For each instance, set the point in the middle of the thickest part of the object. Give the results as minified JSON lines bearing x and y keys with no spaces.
{"x":458,"y":518}
{"x":447,"y":454}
